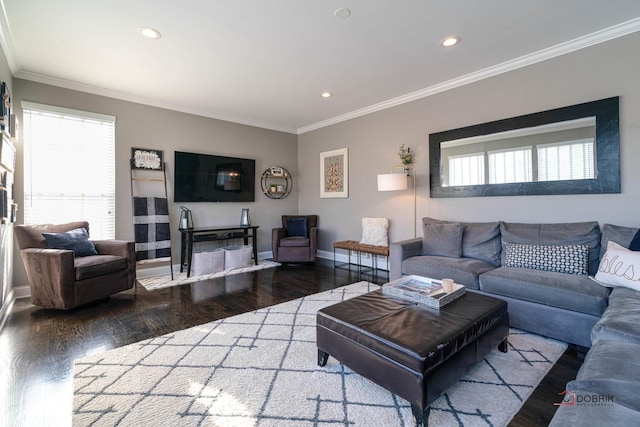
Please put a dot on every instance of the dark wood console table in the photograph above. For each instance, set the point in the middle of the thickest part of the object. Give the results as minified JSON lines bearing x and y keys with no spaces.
{"x":194,"y":235}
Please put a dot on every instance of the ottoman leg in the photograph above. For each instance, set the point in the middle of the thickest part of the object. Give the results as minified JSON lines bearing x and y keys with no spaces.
{"x":504,"y":346}
{"x":322,"y":358}
{"x":421,"y":417}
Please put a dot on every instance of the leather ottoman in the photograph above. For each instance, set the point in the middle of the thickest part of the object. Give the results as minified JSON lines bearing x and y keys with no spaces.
{"x":412,"y":351}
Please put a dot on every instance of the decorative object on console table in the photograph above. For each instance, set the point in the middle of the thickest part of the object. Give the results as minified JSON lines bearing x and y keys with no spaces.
{"x":5,"y":123}
{"x":186,"y":219}
{"x":334,"y":173}
{"x":144,"y":158}
{"x":245,"y":219}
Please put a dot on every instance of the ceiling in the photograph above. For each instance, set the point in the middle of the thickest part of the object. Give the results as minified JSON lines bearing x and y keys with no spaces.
{"x":265,"y":63}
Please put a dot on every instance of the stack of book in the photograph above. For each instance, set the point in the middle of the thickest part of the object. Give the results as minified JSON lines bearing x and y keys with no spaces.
{"x":422,"y":290}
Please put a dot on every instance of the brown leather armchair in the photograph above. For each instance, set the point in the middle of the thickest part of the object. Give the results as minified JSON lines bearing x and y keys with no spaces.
{"x":59,"y":279}
{"x":296,"y":240}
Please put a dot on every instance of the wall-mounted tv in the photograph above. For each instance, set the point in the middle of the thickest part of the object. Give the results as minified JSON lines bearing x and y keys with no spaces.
{"x":210,"y":178}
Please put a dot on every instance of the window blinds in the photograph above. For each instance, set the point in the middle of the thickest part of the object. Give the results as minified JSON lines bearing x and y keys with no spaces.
{"x":69,"y":160}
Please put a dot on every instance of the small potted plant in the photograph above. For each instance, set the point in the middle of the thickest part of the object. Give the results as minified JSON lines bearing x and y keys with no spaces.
{"x":273,"y":188}
{"x":406,"y":156}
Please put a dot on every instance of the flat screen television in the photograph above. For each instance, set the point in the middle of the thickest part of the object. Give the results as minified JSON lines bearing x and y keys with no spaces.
{"x":210,"y":178}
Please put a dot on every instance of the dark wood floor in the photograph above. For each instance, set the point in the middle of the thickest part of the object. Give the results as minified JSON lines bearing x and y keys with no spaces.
{"x":38,"y":346}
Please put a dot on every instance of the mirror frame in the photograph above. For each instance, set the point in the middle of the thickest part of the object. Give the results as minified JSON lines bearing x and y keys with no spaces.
{"x":607,"y":180}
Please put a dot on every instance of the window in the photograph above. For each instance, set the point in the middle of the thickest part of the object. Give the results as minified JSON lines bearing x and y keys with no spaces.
{"x":69,"y":168}
{"x":566,"y":160}
{"x":510,"y":165}
{"x":466,"y":169}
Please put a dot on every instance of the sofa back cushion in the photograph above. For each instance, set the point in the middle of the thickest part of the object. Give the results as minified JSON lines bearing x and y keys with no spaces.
{"x":441,"y":238}
{"x":570,"y":233}
{"x":30,"y":236}
{"x":481,"y":240}
{"x":616,"y":233}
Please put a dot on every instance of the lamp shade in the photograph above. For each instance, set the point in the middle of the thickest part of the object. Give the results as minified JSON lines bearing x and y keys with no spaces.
{"x":392,"y":182}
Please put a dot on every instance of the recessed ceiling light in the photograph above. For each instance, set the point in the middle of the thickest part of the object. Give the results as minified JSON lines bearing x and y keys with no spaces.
{"x":450,"y":41}
{"x":326,"y":94}
{"x":342,"y":13}
{"x":149,"y":32}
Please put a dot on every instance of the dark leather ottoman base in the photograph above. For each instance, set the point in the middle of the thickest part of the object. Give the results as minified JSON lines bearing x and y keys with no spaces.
{"x":415,"y":352}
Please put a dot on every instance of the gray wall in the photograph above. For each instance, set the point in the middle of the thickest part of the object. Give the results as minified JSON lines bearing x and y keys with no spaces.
{"x":602,"y":71}
{"x":149,"y":127}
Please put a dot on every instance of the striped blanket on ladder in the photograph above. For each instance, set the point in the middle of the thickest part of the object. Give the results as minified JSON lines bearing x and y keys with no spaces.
{"x":151,"y":227}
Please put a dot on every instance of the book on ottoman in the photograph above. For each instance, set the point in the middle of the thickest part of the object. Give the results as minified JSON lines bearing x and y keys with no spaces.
{"x":422,"y":290}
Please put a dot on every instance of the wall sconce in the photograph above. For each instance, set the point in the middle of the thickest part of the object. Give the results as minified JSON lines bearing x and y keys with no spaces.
{"x":395,"y":181}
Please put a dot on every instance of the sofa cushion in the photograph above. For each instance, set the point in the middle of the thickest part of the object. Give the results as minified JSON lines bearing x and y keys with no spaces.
{"x":612,"y":368}
{"x":566,"y":291}
{"x":621,"y":319}
{"x":619,"y":267}
{"x":462,"y":270}
{"x":570,"y":233}
{"x":98,"y":265}
{"x":618,"y":234}
{"x":76,"y":240}
{"x":441,"y":238}
{"x":375,"y":231}
{"x":481,"y":240}
{"x":570,"y":259}
{"x":295,"y":241}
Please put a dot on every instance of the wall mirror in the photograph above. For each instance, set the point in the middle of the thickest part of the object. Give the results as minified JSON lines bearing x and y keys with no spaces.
{"x":569,"y":150}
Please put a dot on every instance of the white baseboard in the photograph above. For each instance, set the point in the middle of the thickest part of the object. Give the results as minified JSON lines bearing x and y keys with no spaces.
{"x":14,"y":294}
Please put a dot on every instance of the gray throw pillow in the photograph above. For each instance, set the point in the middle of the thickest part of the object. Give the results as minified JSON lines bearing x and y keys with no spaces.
{"x":75,"y":240}
{"x":441,"y":238}
{"x":481,"y":240}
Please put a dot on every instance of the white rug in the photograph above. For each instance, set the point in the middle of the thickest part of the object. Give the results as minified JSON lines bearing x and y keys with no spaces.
{"x":164,"y":281}
{"x":260,"y":369}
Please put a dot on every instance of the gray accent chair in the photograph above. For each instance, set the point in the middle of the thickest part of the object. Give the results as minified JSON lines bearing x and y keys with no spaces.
{"x":58,"y":279}
{"x":286,"y":248}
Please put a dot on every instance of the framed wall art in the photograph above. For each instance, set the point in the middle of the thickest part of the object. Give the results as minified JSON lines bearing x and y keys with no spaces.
{"x":5,"y":114}
{"x":144,"y":158}
{"x":7,"y":154}
{"x":334,"y":173}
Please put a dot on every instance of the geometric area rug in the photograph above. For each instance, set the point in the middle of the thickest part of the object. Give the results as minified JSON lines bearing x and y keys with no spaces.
{"x":260,"y":369}
{"x":164,"y":281}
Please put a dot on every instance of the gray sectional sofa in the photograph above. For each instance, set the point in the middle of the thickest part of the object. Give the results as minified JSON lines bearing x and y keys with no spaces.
{"x":544,"y":272}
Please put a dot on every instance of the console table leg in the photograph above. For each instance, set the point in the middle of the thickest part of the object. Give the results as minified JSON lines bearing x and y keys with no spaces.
{"x":322,"y":358}
{"x":421,"y":417}
{"x":504,"y":346}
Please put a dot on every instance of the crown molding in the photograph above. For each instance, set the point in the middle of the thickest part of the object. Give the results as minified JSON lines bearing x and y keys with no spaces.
{"x":601,"y":36}
{"x":6,"y":41}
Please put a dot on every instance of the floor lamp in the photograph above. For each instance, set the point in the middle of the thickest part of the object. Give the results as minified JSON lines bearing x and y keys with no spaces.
{"x":398,"y":181}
